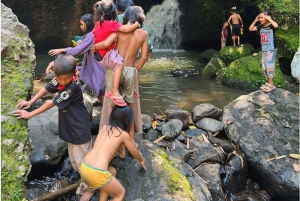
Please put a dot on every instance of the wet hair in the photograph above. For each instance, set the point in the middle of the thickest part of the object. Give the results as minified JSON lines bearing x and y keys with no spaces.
{"x":266,"y":12}
{"x":133,"y":14}
{"x":123,"y":4}
{"x":121,"y":118}
{"x":105,"y":10}
{"x":88,"y":19}
{"x":64,"y":64}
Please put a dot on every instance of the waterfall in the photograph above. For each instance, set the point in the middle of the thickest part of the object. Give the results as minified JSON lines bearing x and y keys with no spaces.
{"x":163,"y":24}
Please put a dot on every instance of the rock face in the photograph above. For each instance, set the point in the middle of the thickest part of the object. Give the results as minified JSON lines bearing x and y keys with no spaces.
{"x":167,"y":177}
{"x":266,"y":125}
{"x":214,"y":65}
{"x":17,"y":65}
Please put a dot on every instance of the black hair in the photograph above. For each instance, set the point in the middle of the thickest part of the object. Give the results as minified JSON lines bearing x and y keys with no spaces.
{"x":123,"y":4}
{"x":105,"y":10}
{"x":133,"y":14}
{"x":121,"y":118}
{"x":64,"y":64}
{"x":266,"y":12}
{"x":88,"y":19}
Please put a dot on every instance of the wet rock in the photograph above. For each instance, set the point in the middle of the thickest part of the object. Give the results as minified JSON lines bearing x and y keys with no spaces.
{"x":214,"y":65}
{"x":206,"y":110}
{"x":210,"y":173}
{"x":182,"y":115}
{"x":146,"y":122}
{"x":172,"y":129}
{"x":48,"y":148}
{"x":151,"y":135}
{"x":194,"y":132}
{"x":156,"y":183}
{"x":203,"y":152}
{"x":210,"y":125}
{"x":33,"y":193}
{"x":236,"y":172}
{"x":184,"y":73}
{"x":179,"y":150}
{"x":257,"y":123}
{"x":95,"y":123}
{"x":226,"y":146}
{"x":48,"y":77}
{"x":207,"y":55}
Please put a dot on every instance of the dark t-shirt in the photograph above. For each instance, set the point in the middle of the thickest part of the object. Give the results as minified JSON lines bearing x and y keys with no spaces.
{"x":74,"y":118}
{"x":267,"y":35}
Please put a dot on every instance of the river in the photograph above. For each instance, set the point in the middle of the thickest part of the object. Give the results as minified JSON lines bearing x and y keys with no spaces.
{"x":159,"y":89}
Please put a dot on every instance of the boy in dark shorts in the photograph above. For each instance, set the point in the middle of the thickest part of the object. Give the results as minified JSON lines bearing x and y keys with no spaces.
{"x":235,"y":26}
{"x":74,"y":118}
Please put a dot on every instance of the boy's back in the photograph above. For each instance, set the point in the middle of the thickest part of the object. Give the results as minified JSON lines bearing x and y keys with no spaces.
{"x":128,"y":45}
{"x":235,"y":18}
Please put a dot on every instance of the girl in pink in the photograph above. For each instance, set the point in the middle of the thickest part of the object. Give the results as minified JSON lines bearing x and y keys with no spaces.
{"x":106,"y":24}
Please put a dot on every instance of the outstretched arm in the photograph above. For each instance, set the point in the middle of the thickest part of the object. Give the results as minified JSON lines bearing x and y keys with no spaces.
{"x":129,"y":27}
{"x":22,"y":104}
{"x":106,"y":43}
{"x":252,"y":26}
{"x":23,"y":114}
{"x":130,"y":145}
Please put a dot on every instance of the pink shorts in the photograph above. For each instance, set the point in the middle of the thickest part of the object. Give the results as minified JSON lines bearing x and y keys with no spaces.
{"x":112,"y":59}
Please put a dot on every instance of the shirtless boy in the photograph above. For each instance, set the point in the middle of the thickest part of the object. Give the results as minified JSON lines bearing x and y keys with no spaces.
{"x":128,"y":46}
{"x":235,"y":18}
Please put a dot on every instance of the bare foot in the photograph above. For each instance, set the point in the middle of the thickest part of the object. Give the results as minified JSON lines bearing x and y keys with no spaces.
{"x":87,"y":195}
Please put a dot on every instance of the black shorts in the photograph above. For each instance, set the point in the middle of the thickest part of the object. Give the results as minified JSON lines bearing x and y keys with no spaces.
{"x":235,"y":30}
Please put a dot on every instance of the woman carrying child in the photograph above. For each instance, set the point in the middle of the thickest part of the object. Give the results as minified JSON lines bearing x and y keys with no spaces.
{"x":91,"y":72}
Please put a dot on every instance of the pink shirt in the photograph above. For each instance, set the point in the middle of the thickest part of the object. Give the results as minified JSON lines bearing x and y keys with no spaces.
{"x":103,"y":31}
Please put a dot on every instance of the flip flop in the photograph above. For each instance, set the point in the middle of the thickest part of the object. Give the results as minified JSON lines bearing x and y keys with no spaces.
{"x":118,"y":100}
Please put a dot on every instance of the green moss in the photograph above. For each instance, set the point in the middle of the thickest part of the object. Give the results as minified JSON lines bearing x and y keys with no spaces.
{"x":213,"y":67}
{"x":247,"y":73}
{"x":287,"y":42}
{"x":177,"y":182}
{"x":231,"y":53}
{"x":16,"y":84}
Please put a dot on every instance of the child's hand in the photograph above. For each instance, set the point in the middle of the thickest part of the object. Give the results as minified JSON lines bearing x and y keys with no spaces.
{"x":143,"y":164}
{"x":54,"y":52}
{"x":22,"y":104}
{"x":257,"y":18}
{"x":22,"y":114}
{"x":268,"y":17}
{"x":136,"y":22}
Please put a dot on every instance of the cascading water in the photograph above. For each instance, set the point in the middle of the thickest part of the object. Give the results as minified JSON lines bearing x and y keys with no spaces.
{"x":163,"y":24}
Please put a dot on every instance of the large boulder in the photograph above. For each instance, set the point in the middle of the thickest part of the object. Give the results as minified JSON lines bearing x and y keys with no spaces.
{"x":167,"y":177}
{"x":247,"y":73}
{"x":232,"y":53}
{"x":214,"y":65}
{"x":207,"y":55}
{"x":48,"y":149}
{"x":266,"y":125}
{"x":17,"y":65}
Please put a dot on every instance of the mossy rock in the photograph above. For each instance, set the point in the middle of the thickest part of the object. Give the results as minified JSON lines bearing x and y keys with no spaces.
{"x":213,"y":67}
{"x":232,"y":53}
{"x":207,"y":55}
{"x":17,"y":65}
{"x":246,"y":73}
{"x":216,"y":54}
